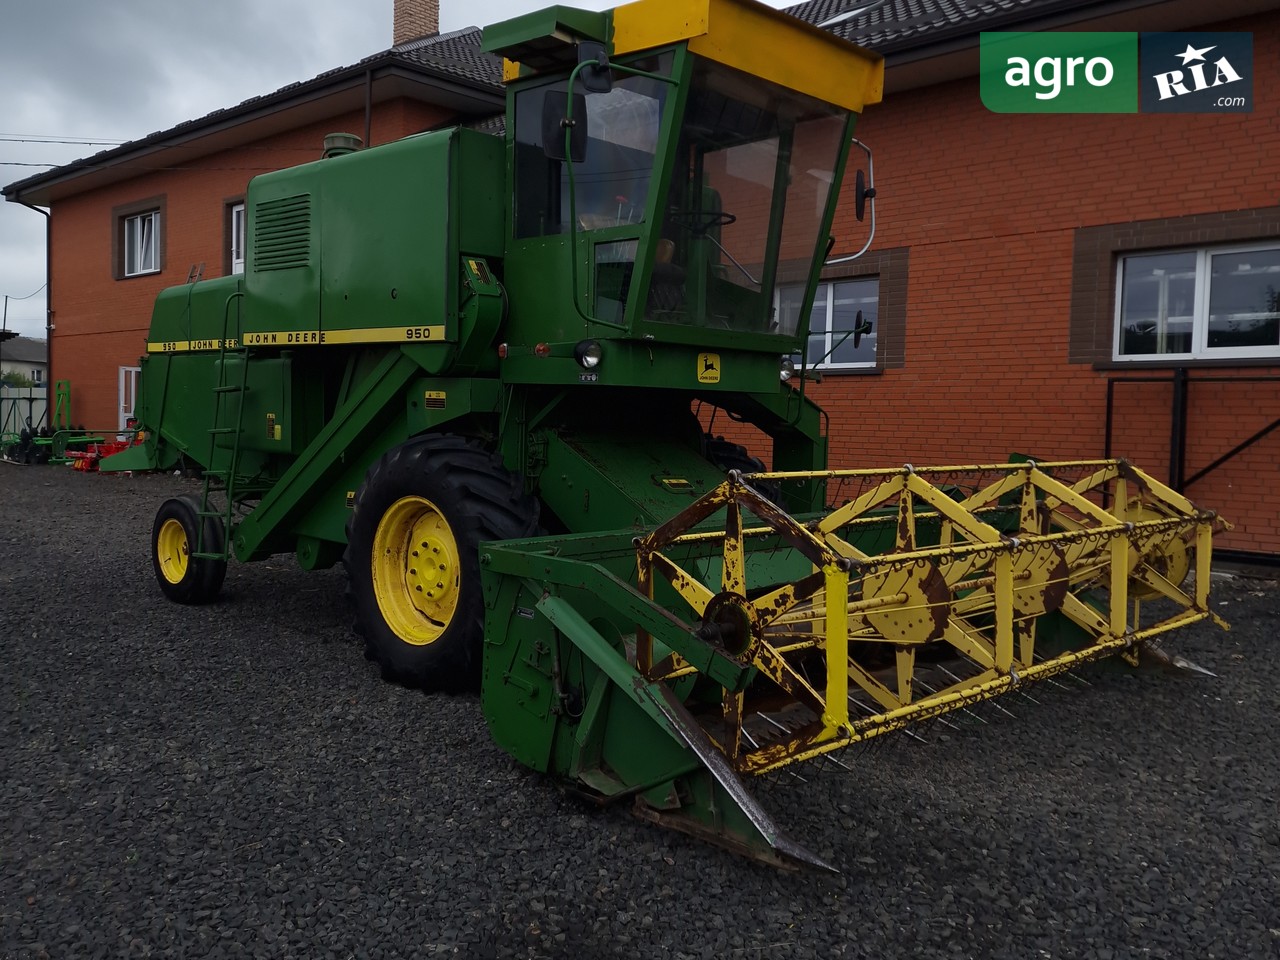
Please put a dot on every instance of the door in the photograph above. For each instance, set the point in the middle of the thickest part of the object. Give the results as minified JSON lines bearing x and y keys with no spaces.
{"x":128,"y":390}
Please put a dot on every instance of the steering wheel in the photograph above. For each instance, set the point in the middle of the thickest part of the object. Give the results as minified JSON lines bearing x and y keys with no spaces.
{"x":699,"y":223}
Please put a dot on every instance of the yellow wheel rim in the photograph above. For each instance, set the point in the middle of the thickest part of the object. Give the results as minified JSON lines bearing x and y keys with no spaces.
{"x":416,"y":569}
{"x":173,"y":551}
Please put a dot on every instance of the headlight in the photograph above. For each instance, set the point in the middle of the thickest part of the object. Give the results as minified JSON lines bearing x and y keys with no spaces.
{"x":588,"y":354}
{"x":786,"y":369}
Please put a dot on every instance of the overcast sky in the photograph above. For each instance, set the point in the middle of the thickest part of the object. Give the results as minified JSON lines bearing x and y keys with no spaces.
{"x":104,"y":70}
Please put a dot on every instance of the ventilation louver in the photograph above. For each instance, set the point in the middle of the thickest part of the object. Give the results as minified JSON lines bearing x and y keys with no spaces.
{"x":282,"y":233}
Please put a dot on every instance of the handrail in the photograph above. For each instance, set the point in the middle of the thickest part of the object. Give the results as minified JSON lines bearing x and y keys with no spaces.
{"x":1181,"y":380}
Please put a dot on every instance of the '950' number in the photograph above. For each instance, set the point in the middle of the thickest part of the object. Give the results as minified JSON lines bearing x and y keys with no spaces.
{"x":417,"y":333}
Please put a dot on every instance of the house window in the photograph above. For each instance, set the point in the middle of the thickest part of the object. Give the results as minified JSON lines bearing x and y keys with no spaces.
{"x":843,"y":326}
{"x":141,"y":243}
{"x":1205,"y":304}
{"x":37,"y":375}
{"x":235,"y":237}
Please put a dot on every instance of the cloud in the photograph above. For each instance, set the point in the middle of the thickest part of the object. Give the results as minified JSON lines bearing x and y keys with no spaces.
{"x":120,"y":71}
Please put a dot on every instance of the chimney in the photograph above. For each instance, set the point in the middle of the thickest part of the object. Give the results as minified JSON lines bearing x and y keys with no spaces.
{"x":414,"y":19}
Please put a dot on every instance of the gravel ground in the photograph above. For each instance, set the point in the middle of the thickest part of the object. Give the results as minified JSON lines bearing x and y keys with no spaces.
{"x":236,"y":781}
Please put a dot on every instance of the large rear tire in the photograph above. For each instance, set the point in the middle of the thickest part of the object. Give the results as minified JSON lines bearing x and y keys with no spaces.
{"x":413,"y":557}
{"x":185,"y":578}
{"x":728,"y":455}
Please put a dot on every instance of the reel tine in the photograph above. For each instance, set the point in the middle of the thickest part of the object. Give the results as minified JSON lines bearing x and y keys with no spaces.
{"x":993,"y":702}
{"x":1003,"y":709}
{"x":1070,"y":673}
{"x":938,"y":719}
{"x":953,"y":726}
{"x":755,"y":746}
{"x":871,"y":711}
{"x":965,"y":710}
{"x":774,"y":723}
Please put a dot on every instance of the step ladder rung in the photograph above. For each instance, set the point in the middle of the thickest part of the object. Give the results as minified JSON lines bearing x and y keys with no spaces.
{"x":225,"y":481}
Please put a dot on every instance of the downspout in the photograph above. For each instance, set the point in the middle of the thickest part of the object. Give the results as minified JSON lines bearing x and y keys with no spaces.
{"x":48,"y":305}
{"x":368,"y":107}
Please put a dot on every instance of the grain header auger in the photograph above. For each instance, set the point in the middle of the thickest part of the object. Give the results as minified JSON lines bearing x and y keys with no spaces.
{"x":468,"y":368}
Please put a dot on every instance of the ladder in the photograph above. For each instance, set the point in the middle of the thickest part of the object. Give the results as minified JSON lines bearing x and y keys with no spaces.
{"x":224,"y":479}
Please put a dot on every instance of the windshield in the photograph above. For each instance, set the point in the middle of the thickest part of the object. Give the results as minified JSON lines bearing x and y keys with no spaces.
{"x":752,"y":173}
{"x":611,"y":183}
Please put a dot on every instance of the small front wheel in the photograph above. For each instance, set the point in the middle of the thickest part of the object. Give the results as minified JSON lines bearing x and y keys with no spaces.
{"x":183,"y":576}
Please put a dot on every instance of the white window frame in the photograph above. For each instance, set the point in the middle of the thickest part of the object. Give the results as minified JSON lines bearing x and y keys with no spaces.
{"x":1200,"y":349}
{"x":142,"y":243}
{"x":831,"y":336}
{"x":237,"y":237}
{"x":127,"y":392}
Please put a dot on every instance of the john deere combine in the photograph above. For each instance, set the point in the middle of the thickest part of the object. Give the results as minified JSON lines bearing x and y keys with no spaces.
{"x":471,"y":368}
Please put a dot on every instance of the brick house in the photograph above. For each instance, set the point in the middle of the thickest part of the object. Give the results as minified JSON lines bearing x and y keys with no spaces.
{"x":1001,"y":245}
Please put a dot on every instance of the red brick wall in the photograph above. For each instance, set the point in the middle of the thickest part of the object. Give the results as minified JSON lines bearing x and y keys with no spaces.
{"x":988,"y":205}
{"x":101,"y":323}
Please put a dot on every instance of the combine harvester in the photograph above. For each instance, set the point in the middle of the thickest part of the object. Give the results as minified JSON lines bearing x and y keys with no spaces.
{"x":468,"y":368}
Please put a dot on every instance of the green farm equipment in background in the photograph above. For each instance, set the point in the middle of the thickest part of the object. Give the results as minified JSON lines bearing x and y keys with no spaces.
{"x":472,"y":369}
{"x":57,"y":442}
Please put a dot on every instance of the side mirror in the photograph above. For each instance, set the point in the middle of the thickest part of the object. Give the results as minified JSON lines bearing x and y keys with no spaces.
{"x":861,"y":194}
{"x":597,"y":77}
{"x":555,"y":120}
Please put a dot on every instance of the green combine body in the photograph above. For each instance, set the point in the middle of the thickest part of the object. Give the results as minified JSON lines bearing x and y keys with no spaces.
{"x":445,"y":346}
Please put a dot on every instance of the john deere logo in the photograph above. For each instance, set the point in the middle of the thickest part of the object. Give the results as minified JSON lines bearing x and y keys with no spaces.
{"x":1197,"y":72}
{"x":708,"y":368}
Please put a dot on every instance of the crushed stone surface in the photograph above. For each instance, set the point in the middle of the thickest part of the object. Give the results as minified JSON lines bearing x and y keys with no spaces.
{"x":236,"y":781}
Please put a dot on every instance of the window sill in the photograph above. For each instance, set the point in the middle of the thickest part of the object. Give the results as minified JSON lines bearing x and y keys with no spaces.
{"x":1163,"y":364}
{"x":140,"y":273}
{"x":846,"y":372}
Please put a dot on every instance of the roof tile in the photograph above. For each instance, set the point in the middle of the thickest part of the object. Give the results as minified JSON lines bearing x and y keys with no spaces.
{"x":899,"y":24}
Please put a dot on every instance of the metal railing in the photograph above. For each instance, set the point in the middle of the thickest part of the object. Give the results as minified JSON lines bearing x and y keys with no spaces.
{"x":1180,"y":402}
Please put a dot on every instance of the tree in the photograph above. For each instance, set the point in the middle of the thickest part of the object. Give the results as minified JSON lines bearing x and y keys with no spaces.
{"x":12,"y":378}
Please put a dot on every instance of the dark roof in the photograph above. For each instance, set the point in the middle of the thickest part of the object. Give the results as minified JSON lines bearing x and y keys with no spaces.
{"x":454,"y":57}
{"x":25,"y":350}
{"x":906,"y":24}
{"x":457,"y":53}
